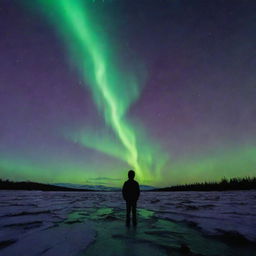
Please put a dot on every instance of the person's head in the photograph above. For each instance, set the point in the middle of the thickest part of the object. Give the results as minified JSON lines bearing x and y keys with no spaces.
{"x":131,"y":174}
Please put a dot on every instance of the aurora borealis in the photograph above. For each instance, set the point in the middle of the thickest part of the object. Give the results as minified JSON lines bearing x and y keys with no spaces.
{"x":90,"y":89}
{"x":112,"y":94}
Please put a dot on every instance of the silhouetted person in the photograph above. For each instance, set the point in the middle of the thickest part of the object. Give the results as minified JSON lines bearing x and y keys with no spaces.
{"x":131,"y":193}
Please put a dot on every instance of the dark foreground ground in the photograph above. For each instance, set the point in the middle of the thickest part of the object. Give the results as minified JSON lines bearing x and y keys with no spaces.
{"x":92,"y":223}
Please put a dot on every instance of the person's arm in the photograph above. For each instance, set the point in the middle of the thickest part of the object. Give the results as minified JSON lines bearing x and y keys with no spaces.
{"x":138,"y":191}
{"x":124,"y":191}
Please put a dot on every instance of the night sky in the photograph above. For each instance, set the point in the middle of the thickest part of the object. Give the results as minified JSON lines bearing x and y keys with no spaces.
{"x":90,"y":89}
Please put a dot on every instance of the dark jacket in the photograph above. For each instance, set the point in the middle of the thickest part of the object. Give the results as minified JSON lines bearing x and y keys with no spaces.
{"x":131,"y":190}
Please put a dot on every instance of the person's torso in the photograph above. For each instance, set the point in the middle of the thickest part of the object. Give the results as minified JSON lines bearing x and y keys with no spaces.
{"x":131,"y":189}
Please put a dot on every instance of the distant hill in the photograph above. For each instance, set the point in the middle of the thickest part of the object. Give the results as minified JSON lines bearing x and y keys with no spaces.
{"x":27,"y":185}
{"x":98,"y":187}
{"x":246,"y":183}
{"x":146,"y":187}
{"x":88,"y":187}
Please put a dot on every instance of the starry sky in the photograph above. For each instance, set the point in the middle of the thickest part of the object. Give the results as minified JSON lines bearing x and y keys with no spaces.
{"x":90,"y":89}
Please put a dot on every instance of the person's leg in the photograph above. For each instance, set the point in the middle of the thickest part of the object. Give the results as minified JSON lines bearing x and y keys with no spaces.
{"x":128,"y":211}
{"x":134,"y":212}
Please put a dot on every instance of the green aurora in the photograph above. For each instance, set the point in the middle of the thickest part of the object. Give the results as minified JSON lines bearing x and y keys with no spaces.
{"x":113,"y":90}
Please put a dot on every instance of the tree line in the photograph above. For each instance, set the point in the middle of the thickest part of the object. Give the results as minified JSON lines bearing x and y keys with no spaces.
{"x":246,"y":183}
{"x":28,"y":185}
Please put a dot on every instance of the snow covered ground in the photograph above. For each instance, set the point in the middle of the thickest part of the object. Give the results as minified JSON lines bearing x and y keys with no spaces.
{"x":92,"y":223}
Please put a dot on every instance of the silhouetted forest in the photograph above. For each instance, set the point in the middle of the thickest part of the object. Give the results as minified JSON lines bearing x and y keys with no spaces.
{"x":246,"y":183}
{"x":28,"y":185}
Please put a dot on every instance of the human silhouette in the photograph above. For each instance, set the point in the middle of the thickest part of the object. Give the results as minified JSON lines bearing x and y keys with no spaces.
{"x":131,"y":193}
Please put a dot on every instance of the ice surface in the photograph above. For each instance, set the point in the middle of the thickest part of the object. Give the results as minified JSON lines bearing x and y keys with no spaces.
{"x":212,"y":211}
{"x":92,"y":223}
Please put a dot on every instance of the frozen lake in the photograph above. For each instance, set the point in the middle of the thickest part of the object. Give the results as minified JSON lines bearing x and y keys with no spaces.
{"x":93,"y":223}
